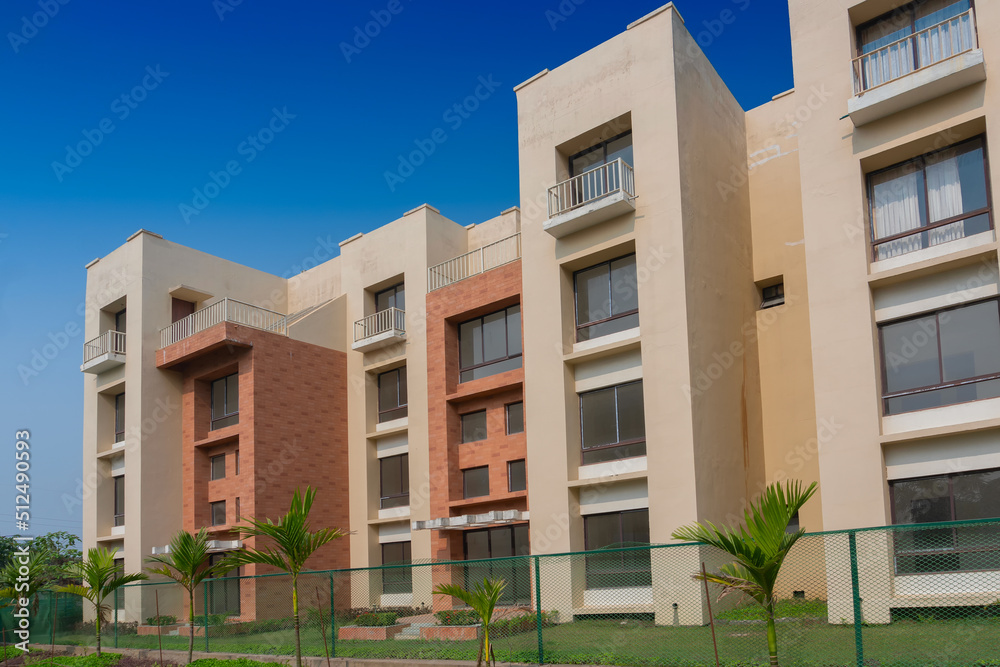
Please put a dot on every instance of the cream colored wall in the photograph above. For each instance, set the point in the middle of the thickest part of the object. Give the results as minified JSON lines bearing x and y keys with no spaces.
{"x":832,"y":152}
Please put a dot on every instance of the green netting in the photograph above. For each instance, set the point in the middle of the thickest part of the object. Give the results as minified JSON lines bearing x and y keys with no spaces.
{"x":901,"y":596}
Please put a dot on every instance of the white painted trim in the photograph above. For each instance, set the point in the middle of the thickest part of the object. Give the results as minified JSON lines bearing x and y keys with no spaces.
{"x":612,"y":468}
{"x":933,"y":252}
{"x":630,"y":495}
{"x":608,"y":371}
{"x":394,"y":532}
{"x":617,"y":597}
{"x":610,"y":339}
{"x":395,"y":513}
{"x":950,"y":415}
{"x":396,"y":600}
{"x":392,"y":445}
{"x":395,"y":423}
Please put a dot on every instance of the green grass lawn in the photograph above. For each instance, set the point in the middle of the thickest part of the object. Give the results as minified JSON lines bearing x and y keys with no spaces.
{"x":804,"y":641}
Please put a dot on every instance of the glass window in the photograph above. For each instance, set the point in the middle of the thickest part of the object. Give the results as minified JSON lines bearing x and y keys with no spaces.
{"x":773,"y":295}
{"x":394,"y":297}
{"x":958,"y":497}
{"x":218,"y":466}
{"x":119,"y":482}
{"x":617,"y":569}
{"x":489,"y":345}
{"x":397,"y":579}
{"x":120,"y":418}
{"x":224,"y":594}
{"x":226,"y":401}
{"x":936,"y":198}
{"x":120,"y":321}
{"x":607,"y":298}
{"x":476,"y":482}
{"x":119,"y":594}
{"x":948,"y":357}
{"x":392,"y":398}
{"x":517,"y":479}
{"x":601,"y":154}
{"x":218,"y":513}
{"x":500,"y":542}
{"x":474,"y":426}
{"x":515,"y":418}
{"x":612,"y":423}
{"x":237,"y":471}
{"x":394,"y":475}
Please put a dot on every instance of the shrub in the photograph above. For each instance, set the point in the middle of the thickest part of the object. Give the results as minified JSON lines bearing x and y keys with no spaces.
{"x":107,"y":628}
{"x":376,"y":619}
{"x":92,"y":660}
{"x":524,"y":623}
{"x":457,"y":617}
{"x":163,"y":620}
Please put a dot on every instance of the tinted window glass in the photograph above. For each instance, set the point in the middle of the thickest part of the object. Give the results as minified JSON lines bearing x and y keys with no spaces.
{"x":474,"y":426}
{"x":515,"y":418}
{"x":516,"y":477}
{"x":477,"y":482}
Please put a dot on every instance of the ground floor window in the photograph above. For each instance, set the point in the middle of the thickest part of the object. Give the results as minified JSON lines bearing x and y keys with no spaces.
{"x":613,"y":531}
{"x":958,"y":497}
{"x":224,"y":594}
{"x":500,"y":542}
{"x":396,"y":580}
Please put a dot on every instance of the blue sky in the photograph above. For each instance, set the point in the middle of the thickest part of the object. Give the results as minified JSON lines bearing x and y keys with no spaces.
{"x":117,"y":113}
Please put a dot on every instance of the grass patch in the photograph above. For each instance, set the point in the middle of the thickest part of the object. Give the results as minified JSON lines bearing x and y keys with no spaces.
{"x":92,"y":660}
{"x":238,"y":662}
{"x":785,"y":608}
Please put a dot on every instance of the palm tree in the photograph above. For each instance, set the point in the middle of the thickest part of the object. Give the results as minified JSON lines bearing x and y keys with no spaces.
{"x":101,"y":577}
{"x":759,"y":548}
{"x":185,"y":564}
{"x":293,"y":544}
{"x":31,"y":583}
{"x":482,"y":599}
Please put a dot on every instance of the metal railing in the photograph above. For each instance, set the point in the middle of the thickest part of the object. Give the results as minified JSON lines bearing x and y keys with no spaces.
{"x":592,"y":185}
{"x":473,"y":263}
{"x":109,"y":342}
{"x":924,"y":48}
{"x":226,"y":310}
{"x":390,"y":319}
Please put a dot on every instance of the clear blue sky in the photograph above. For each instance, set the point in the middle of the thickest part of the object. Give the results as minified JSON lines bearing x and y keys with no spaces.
{"x":209,"y":74}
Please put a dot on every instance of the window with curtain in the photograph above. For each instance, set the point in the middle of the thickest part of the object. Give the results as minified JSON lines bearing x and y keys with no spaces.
{"x":943,"y":358}
{"x":930,"y":200}
{"x":958,"y":497}
{"x":911,"y":37}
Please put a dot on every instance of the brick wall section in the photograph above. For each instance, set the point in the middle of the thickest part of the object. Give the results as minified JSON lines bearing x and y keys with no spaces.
{"x":448,"y":400}
{"x":292,"y":433}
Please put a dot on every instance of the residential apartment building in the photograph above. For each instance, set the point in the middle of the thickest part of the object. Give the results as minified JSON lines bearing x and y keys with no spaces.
{"x":690,"y":302}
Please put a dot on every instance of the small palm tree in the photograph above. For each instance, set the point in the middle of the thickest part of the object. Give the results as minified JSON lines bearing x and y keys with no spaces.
{"x":185,"y":564}
{"x":35,"y":580}
{"x":101,"y":577}
{"x":759,"y":548}
{"x":293,"y":544}
{"x":482,"y":599}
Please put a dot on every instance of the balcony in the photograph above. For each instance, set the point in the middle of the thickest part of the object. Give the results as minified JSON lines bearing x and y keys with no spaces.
{"x":226,"y":310}
{"x":379,"y":330}
{"x":920,"y":67}
{"x":103,"y":353}
{"x":591,"y":198}
{"x":473,"y":263}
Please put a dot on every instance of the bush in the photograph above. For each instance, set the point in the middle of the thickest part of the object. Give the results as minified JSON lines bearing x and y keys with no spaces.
{"x":345,"y":616}
{"x":457,"y":617}
{"x":163,"y":620}
{"x":524,"y":623}
{"x":92,"y":660}
{"x":376,"y":619}
{"x":107,"y":628}
{"x":254,"y":627}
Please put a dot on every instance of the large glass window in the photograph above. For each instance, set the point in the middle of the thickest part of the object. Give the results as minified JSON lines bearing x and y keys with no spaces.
{"x":396,"y":579}
{"x":394,"y":297}
{"x":612,"y":423}
{"x":224,"y":594}
{"x":392,"y":399}
{"x":226,"y":401}
{"x":958,"y":497}
{"x":910,"y":37}
{"x":120,"y":418}
{"x":489,"y":345}
{"x":394,"y":476}
{"x":951,"y":356}
{"x":218,"y":510}
{"x":607,"y":298}
{"x":218,"y":466}
{"x":602,"y":153}
{"x":502,"y":542}
{"x":476,"y":482}
{"x":474,"y":426}
{"x":616,"y":530}
{"x":119,"y":482}
{"x":936,"y":198}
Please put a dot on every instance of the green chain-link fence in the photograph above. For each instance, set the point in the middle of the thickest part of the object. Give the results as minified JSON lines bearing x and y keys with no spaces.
{"x":900,"y":596}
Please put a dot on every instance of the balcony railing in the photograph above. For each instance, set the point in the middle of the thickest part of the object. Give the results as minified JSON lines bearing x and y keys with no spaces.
{"x":384,"y":321}
{"x":924,"y":48}
{"x":109,"y":342}
{"x":475,"y":262}
{"x":592,"y":185}
{"x":227,"y":310}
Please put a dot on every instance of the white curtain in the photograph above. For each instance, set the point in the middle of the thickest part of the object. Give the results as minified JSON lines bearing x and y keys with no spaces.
{"x":945,"y":40}
{"x":944,"y":198}
{"x":888,"y":63}
{"x":896,"y":195}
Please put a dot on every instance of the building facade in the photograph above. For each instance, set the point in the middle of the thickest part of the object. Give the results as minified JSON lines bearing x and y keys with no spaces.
{"x":690,"y":302}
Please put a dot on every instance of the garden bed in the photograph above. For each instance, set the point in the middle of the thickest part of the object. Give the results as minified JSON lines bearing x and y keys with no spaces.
{"x":370,"y":632}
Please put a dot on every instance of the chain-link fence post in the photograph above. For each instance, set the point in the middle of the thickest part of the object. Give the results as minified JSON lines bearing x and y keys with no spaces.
{"x":205,"y":590}
{"x":333,"y":622}
{"x":116,"y":617}
{"x":856,"y":594}
{"x":538,"y":610}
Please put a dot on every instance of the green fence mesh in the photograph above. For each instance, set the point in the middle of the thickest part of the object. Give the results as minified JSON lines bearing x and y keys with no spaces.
{"x":900,"y":596}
